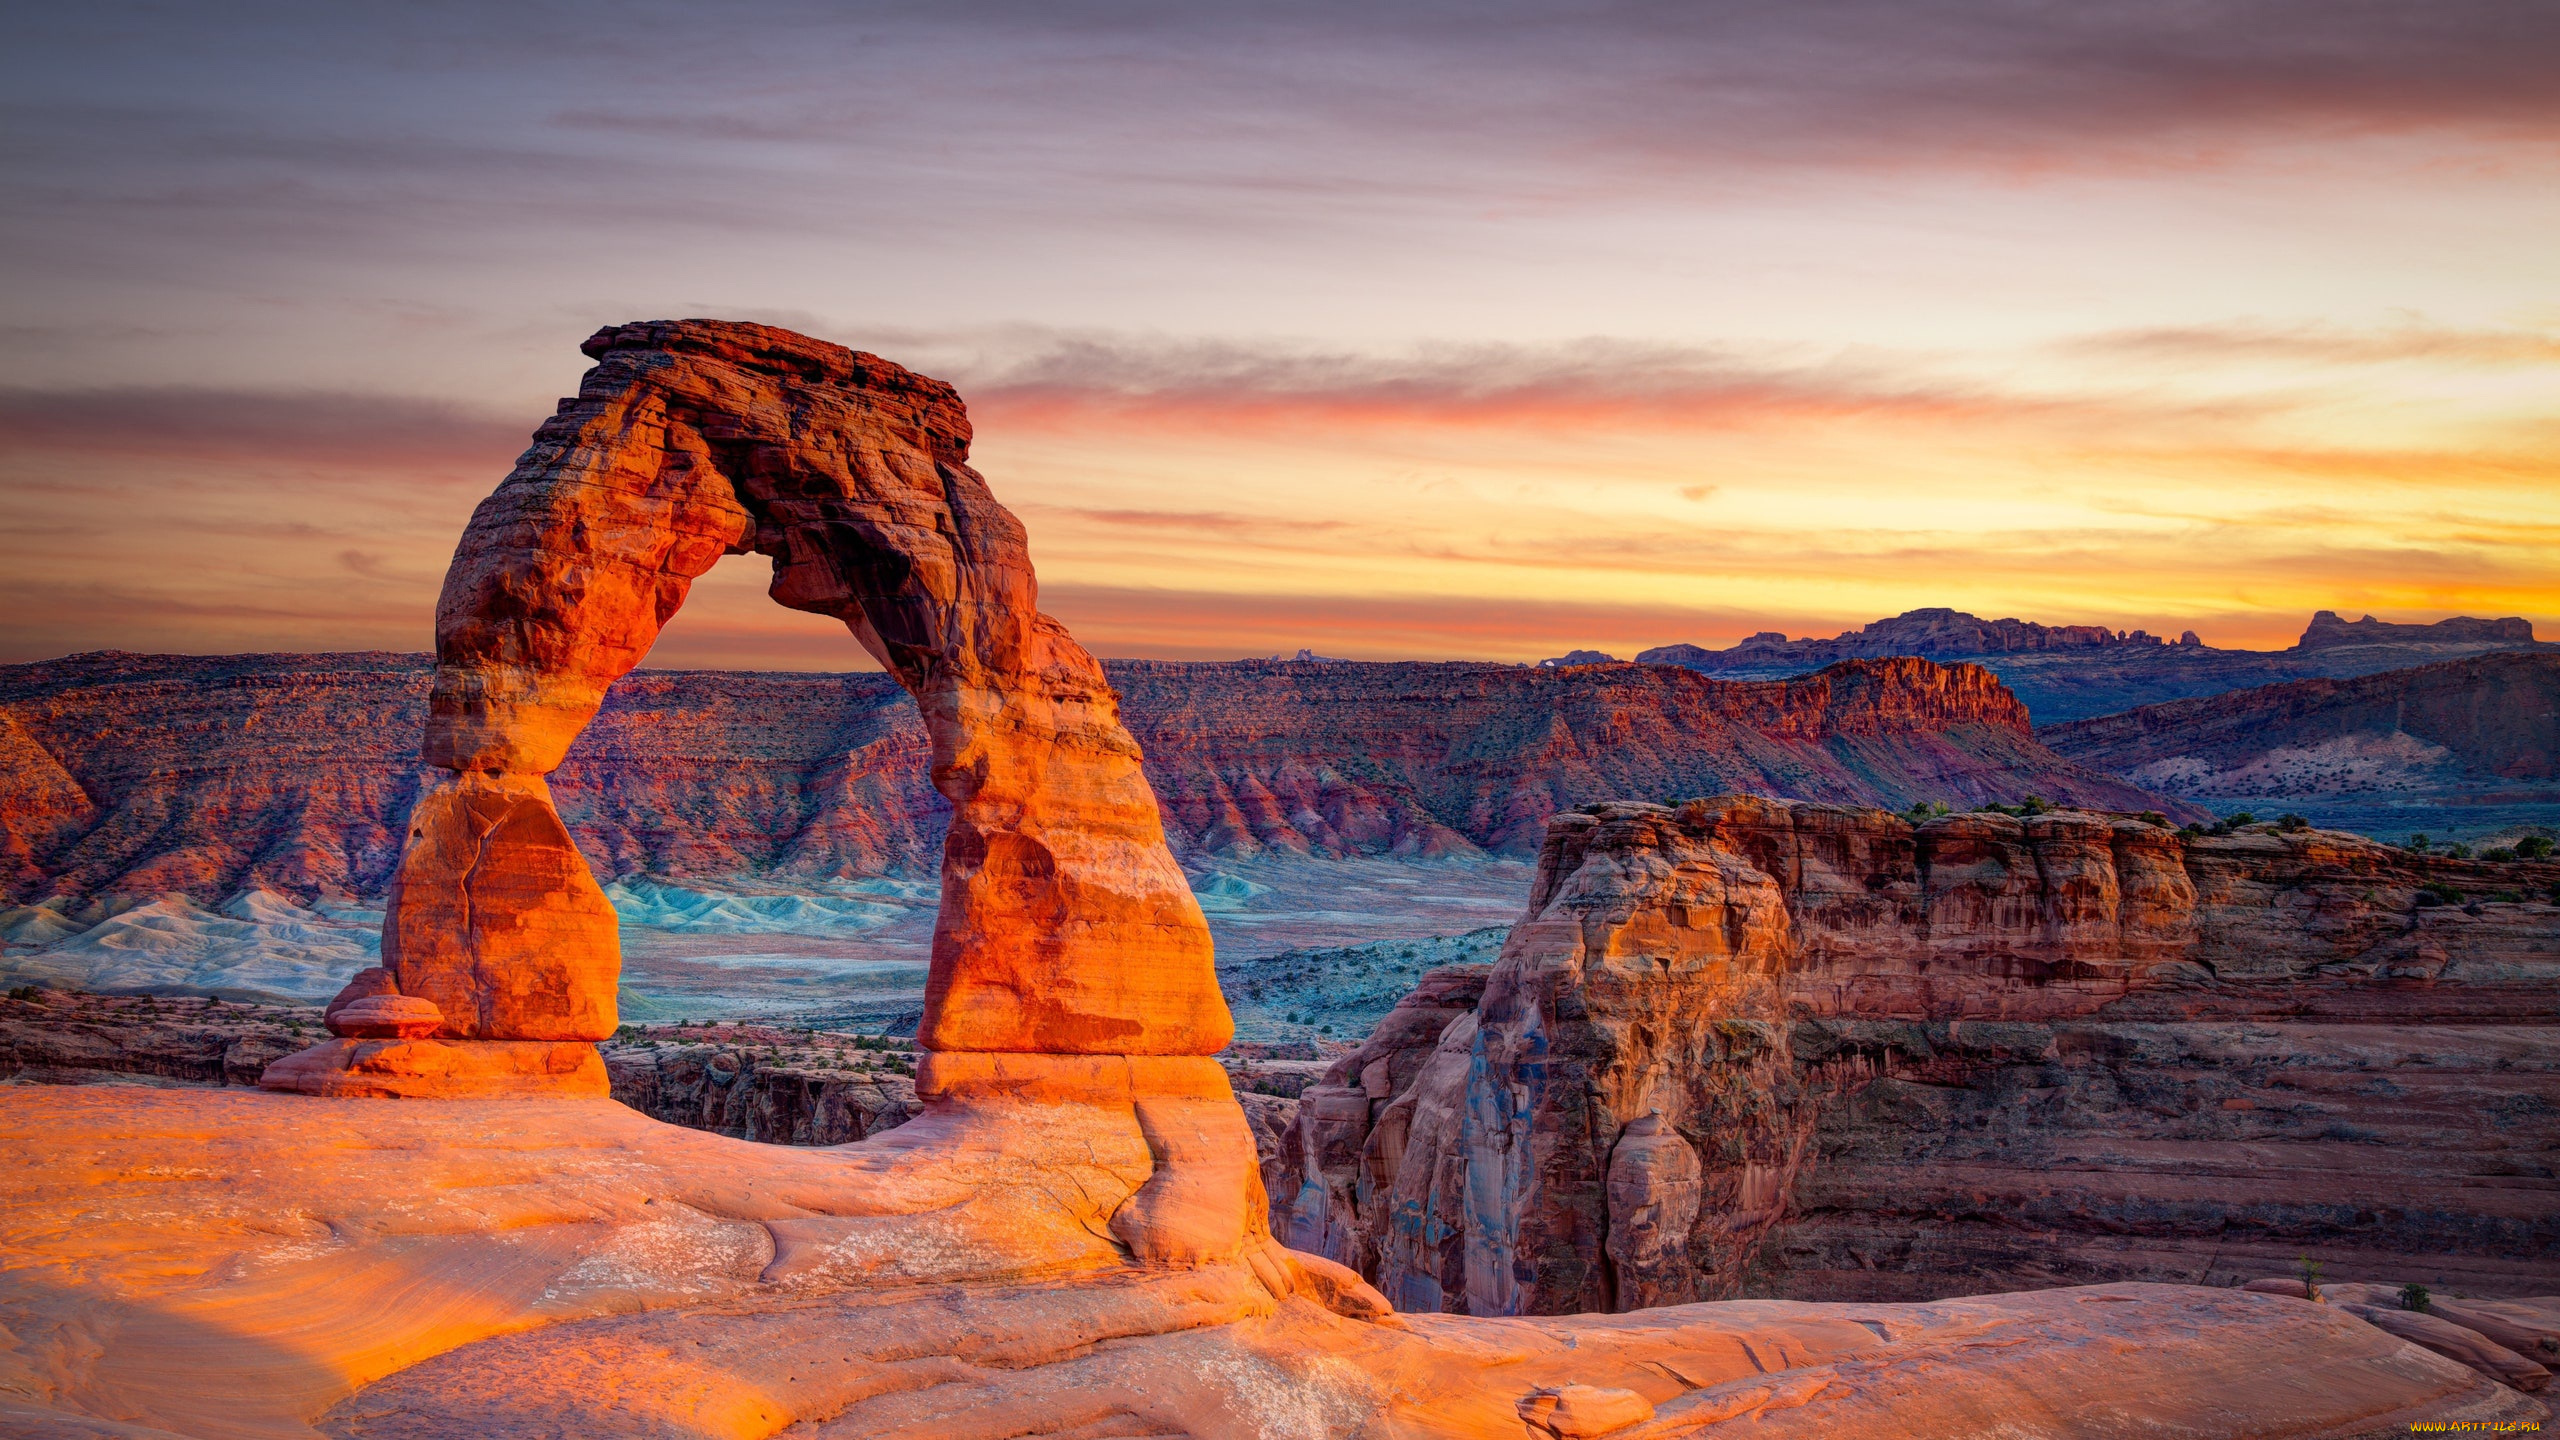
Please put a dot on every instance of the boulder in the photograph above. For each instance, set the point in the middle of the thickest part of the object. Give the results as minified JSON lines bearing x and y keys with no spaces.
{"x":371,"y":981}
{"x":386,"y":1017}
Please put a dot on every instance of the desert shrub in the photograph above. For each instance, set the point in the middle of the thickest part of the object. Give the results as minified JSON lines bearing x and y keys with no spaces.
{"x":2510,"y":897}
{"x":2309,"y":1269}
{"x":2290,"y":822}
{"x":24,"y":992}
{"x":2238,"y":818}
{"x":2191,"y":829}
{"x":2498,"y":853}
{"x":2534,"y":847}
{"x":2436,"y":892}
{"x":2419,"y":842}
{"x":2153,"y":817}
{"x":2034,"y":805}
{"x":2457,"y":851}
{"x":2413,"y":1297}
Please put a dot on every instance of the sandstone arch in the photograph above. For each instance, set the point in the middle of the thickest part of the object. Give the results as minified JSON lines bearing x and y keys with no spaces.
{"x":1065,"y":928}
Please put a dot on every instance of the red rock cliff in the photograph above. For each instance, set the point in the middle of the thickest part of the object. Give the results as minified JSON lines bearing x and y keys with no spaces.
{"x":2115,"y":1050}
{"x":149,"y":773}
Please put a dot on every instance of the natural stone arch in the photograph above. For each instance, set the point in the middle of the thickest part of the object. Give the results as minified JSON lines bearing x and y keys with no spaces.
{"x":1066,"y":927}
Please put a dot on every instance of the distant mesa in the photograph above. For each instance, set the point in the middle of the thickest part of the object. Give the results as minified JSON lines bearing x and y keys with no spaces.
{"x":1939,"y":633}
{"x":2327,"y":631}
{"x":1309,"y":657}
{"x":2075,"y":672}
{"x":1930,"y":633}
{"x":1579,"y":657}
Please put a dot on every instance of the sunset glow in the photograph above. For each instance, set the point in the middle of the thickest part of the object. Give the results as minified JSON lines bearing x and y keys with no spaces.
{"x":1470,"y":335}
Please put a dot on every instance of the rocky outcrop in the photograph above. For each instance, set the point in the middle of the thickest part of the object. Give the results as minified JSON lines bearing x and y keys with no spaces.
{"x":62,"y":1038}
{"x":1867,"y":1059}
{"x":300,"y":772}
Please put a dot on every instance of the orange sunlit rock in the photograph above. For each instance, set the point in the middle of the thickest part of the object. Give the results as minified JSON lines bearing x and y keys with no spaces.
{"x":494,"y":918}
{"x":428,"y":1069}
{"x":1066,"y":926}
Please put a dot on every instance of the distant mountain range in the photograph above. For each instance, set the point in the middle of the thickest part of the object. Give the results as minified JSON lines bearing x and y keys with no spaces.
{"x":149,"y":773}
{"x":2460,"y":745}
{"x":2073,"y":672}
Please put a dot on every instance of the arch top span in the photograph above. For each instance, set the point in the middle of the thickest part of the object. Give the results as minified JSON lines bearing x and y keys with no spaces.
{"x":1066,"y":927}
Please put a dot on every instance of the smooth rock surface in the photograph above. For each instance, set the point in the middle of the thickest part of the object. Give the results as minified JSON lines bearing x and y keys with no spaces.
{"x":543,"y":1268}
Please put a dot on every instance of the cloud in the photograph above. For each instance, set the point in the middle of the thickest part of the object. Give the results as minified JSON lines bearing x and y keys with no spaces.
{"x":2325,"y":344}
{"x":268,"y":426}
{"x":1078,"y":380}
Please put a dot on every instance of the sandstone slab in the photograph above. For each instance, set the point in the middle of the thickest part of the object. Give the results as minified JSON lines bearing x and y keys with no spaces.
{"x":429,"y":1069}
{"x":537,"y":1268}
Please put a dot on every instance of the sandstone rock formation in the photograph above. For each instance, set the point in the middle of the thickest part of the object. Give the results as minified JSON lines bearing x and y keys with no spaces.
{"x":1065,"y":927}
{"x":1916,"y":1061}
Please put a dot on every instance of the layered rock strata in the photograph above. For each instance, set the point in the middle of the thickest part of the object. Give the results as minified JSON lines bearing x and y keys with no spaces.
{"x":208,"y":774}
{"x":1840,"y":1055}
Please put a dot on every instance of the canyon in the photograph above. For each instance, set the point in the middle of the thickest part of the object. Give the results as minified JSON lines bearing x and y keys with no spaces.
{"x":424,"y":1227}
{"x":1745,"y":1045}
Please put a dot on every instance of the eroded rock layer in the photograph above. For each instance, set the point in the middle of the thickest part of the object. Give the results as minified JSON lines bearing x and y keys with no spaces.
{"x":1841,"y":1055}
{"x":144,"y":774}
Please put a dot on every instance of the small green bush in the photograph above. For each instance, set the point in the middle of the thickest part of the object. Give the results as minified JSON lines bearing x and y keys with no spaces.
{"x":2436,"y":892}
{"x":2413,"y":1297}
{"x":2153,"y":817}
{"x":2534,"y":847}
{"x":2498,"y":854}
{"x":24,"y":992}
{"x":2289,"y":822}
{"x":2309,"y":1269}
{"x":2457,"y":852}
{"x":2034,"y":805}
{"x":2419,"y":842}
{"x":2509,"y":897}
{"x":2238,"y":818}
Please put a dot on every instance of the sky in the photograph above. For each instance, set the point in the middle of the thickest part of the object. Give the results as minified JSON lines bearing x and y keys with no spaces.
{"x":1463,"y":331}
